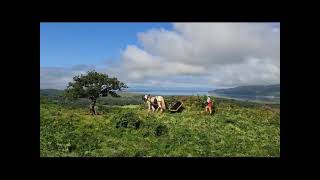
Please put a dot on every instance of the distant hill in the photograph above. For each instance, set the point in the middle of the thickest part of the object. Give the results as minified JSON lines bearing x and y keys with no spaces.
{"x":258,"y":90}
{"x":250,"y":92}
{"x":50,"y":92}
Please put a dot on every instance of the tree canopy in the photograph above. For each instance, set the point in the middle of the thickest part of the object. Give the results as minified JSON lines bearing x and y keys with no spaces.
{"x":93,"y":85}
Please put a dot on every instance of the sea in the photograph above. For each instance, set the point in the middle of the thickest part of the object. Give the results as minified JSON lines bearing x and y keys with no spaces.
{"x":200,"y":92}
{"x":169,"y":92}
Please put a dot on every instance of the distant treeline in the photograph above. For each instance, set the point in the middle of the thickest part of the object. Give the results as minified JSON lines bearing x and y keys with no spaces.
{"x":56,"y":96}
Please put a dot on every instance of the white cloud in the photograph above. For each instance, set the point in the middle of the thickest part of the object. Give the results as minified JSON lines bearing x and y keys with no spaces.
{"x":139,"y":64}
{"x":217,"y":53}
{"x":58,"y":77}
{"x":191,"y":55}
{"x":251,"y":71}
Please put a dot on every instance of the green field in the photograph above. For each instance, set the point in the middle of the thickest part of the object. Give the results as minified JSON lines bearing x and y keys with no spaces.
{"x":236,"y":129}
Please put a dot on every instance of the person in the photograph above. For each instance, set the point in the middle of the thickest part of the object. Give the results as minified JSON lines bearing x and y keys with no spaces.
{"x":209,"y":105}
{"x":155,"y":103}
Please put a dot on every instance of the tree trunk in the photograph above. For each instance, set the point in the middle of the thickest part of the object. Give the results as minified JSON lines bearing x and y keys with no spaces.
{"x":92,"y":107}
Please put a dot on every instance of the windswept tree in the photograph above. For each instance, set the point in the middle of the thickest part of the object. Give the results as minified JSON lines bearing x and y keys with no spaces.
{"x":92,"y":86}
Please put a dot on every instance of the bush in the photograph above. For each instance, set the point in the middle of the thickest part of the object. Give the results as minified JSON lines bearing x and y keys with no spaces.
{"x":128,"y":120}
{"x":161,"y":130}
{"x":169,"y":100}
{"x":139,"y":154}
{"x":86,"y":142}
{"x":151,"y":126}
{"x":120,"y":101}
{"x":60,"y":138}
{"x":195,"y":102}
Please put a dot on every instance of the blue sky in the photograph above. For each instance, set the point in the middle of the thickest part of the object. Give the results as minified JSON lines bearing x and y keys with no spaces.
{"x":67,"y":44}
{"x":162,"y":55}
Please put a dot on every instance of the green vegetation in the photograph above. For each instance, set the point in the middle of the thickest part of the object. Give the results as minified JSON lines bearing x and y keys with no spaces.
{"x":237,"y":129}
{"x":51,"y":92}
{"x":124,"y":99}
{"x":93,"y":85}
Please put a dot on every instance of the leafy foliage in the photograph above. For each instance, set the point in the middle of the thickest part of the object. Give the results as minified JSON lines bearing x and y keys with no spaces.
{"x":93,"y":84}
{"x":128,"y":120}
{"x":160,"y":130}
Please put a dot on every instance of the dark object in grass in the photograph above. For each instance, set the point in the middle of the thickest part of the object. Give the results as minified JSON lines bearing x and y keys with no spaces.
{"x":72,"y":148}
{"x":128,"y":120}
{"x":176,"y":107}
{"x":139,"y":154}
{"x":145,"y":134}
{"x":213,"y":111}
{"x":230,"y":121}
{"x":161,"y":130}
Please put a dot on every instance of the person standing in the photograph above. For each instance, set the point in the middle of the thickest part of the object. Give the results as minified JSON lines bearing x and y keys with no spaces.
{"x":209,"y":105}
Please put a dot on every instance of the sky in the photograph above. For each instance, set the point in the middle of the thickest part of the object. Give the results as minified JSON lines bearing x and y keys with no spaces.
{"x":162,"y":55}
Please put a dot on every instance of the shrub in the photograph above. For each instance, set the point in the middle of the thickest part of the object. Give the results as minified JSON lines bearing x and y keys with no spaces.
{"x":169,"y":100}
{"x":139,"y":154}
{"x":161,"y":130}
{"x":151,"y":126}
{"x":128,"y":120}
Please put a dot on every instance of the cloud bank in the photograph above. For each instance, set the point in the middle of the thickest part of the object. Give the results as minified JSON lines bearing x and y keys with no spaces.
{"x":221,"y":54}
{"x":195,"y":54}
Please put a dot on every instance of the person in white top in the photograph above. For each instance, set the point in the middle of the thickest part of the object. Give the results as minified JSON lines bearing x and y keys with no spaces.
{"x":209,"y":105}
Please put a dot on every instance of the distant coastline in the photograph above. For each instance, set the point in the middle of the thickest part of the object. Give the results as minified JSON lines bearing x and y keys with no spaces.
{"x":193,"y":92}
{"x":187,"y":92}
{"x":173,"y":92}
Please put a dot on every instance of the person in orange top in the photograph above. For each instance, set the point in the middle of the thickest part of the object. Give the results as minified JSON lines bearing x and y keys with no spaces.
{"x":209,"y":105}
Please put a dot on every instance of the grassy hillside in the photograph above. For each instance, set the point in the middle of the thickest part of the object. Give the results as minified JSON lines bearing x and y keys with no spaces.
{"x":236,"y":129}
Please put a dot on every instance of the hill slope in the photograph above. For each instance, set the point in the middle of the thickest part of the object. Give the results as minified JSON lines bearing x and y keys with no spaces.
{"x":50,"y":92}
{"x":236,"y":129}
{"x":270,"y":90}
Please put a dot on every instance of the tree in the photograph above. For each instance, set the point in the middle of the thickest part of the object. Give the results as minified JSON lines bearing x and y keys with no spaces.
{"x":92,"y":86}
